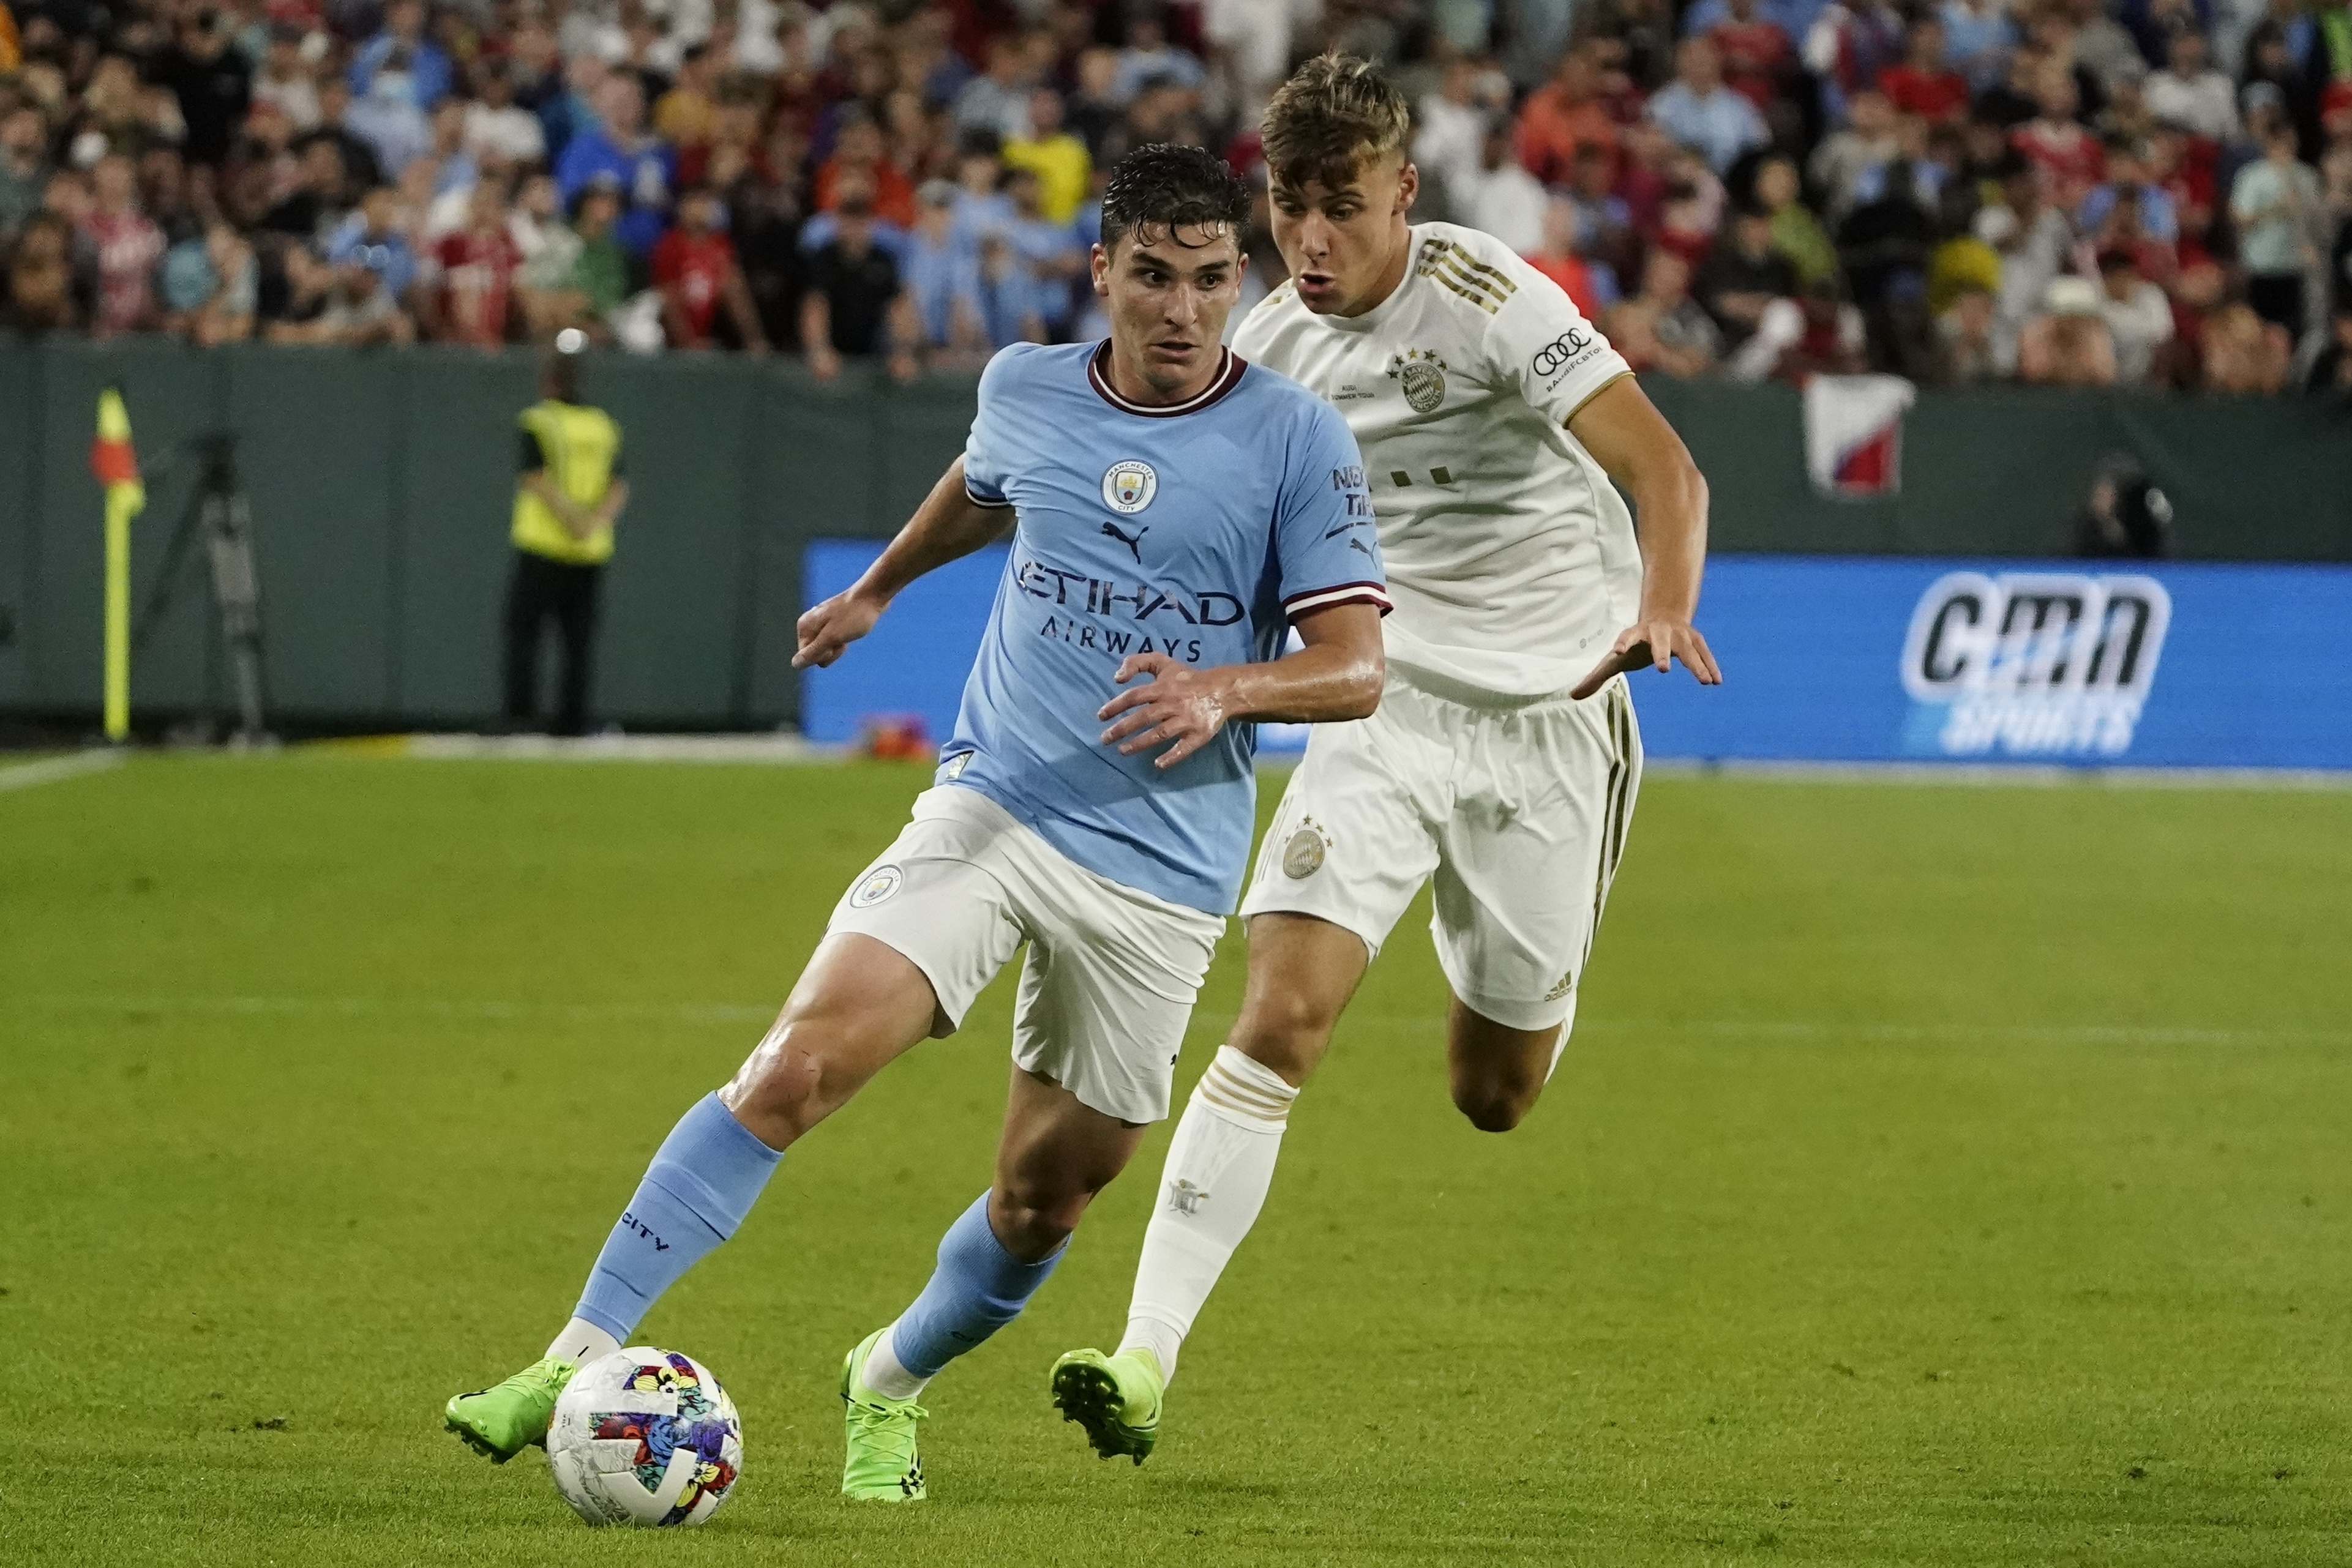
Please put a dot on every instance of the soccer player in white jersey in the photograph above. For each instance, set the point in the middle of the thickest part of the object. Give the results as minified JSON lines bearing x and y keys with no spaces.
{"x":1174,"y":512}
{"x":1503,"y":760}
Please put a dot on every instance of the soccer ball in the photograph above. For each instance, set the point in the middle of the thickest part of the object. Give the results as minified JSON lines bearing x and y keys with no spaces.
{"x":645,"y":1437}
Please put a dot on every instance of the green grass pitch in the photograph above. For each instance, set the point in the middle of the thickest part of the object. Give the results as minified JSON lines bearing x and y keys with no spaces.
{"x":1939,"y":1176}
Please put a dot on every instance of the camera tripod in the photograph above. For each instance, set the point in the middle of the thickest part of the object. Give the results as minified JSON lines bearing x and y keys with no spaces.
{"x":217,"y":511}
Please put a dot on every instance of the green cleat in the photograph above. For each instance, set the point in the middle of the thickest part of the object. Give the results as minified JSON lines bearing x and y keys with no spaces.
{"x":503,"y":1421}
{"x":882,"y":1464}
{"x":1115,"y":1397}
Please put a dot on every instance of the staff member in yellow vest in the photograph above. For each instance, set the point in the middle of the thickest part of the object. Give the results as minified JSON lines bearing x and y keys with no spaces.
{"x":570,"y":491}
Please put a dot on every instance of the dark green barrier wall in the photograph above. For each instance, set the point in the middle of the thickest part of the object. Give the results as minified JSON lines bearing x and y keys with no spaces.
{"x":381,"y":483}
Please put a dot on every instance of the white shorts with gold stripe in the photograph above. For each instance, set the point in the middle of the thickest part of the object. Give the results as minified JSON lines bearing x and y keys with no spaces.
{"x":1518,"y":812}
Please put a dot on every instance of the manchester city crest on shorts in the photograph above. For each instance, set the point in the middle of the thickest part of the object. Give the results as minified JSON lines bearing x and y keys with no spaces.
{"x":1130,"y":484}
{"x":1423,"y":375}
{"x":878,"y":885}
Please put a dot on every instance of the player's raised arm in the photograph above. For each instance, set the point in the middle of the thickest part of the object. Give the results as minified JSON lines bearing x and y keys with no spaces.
{"x":1632,"y":440}
{"x":950,"y":524}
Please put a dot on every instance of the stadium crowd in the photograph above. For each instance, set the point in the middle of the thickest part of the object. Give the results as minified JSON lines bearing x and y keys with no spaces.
{"x":2079,"y":193}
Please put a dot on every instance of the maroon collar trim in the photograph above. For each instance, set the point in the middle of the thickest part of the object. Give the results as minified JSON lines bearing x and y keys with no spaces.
{"x":1230,"y":369}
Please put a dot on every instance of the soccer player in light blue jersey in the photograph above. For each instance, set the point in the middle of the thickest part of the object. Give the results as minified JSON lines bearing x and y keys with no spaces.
{"x":1175,"y":512}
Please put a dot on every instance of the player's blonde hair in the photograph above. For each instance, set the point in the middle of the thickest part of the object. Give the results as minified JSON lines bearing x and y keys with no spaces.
{"x":1334,"y":113}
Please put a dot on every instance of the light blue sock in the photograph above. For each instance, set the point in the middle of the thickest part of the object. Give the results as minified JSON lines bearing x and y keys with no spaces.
{"x":704,"y":1179}
{"x":977,"y":1289}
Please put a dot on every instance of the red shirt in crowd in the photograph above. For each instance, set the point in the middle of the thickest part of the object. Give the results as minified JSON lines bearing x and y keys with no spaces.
{"x":894,"y":194}
{"x":1570,"y":273}
{"x":695,"y":266}
{"x":1754,"y":54}
{"x":2070,"y":155}
{"x":477,"y":273}
{"x":1931,"y":94}
{"x":129,"y":248}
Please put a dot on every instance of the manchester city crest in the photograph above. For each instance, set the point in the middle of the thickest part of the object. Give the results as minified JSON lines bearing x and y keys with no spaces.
{"x":879,"y":883}
{"x":1130,"y":484}
{"x":1423,"y":375}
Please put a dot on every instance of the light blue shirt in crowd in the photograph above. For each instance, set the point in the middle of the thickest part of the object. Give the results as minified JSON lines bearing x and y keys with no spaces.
{"x":1722,"y":125}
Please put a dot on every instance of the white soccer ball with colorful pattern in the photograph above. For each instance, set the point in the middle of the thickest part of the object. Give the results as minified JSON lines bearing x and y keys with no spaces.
{"x":645,"y":1437}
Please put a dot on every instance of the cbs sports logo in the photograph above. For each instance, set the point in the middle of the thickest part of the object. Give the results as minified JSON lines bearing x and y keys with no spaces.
{"x":2032,"y":663}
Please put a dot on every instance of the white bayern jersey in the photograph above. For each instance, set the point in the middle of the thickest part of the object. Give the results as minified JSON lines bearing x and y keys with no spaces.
{"x":1511,"y":558}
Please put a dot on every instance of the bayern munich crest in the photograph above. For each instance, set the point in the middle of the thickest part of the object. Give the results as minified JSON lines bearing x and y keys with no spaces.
{"x":1130,"y":484}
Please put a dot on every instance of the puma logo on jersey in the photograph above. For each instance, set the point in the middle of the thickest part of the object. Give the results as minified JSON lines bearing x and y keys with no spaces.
{"x":1134,"y":541}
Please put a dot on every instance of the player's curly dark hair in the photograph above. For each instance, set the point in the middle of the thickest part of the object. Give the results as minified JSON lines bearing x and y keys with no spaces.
{"x":1160,"y":187}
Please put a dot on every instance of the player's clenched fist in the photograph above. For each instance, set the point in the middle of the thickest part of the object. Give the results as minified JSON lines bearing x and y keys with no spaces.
{"x":832,"y":626}
{"x":1182,"y":704}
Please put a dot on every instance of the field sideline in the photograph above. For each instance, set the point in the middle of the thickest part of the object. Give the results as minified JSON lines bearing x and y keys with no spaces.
{"x":1945,"y":1176}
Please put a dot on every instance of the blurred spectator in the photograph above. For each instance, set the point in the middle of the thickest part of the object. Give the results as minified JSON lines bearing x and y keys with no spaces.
{"x":1151,"y":59}
{"x":685,"y":115}
{"x":1698,"y":110}
{"x":1744,"y":276}
{"x":387,"y":118}
{"x":1048,"y":252}
{"x":418,"y":69}
{"x":468,"y":278}
{"x":2068,"y":344}
{"x":942,"y":276}
{"x":2138,"y":316}
{"x":854,"y":307}
{"x":498,"y":129}
{"x":1923,"y":83}
{"x":1977,"y":36}
{"x":284,"y":79}
{"x":1818,"y":333}
{"x":615,"y":146}
{"x":1593,"y":285}
{"x":1500,"y":196}
{"x":1450,"y":124}
{"x":1851,"y":43}
{"x":211,"y":286}
{"x":23,"y":166}
{"x":1759,"y":55}
{"x":1060,"y":160}
{"x":2055,"y":141}
{"x":695,"y":268}
{"x":374,"y":234}
{"x":2274,"y":203}
{"x":1797,"y":234}
{"x":41,"y":293}
{"x":582,"y":276}
{"x":1844,"y":156}
{"x":997,"y":102}
{"x":1560,"y":119}
{"x":1663,"y":327}
{"x":1965,"y":329}
{"x":128,"y":247}
{"x":861,"y":155}
{"x":2243,"y":353}
{"x":2188,"y":94}
{"x":210,"y":82}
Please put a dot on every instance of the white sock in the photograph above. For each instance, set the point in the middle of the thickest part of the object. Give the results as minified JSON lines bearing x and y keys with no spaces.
{"x":884,"y":1374}
{"x":583,"y":1342}
{"x":1220,"y":1165}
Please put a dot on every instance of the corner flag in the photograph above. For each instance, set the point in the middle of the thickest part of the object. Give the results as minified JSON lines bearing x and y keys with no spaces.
{"x":117,"y":467}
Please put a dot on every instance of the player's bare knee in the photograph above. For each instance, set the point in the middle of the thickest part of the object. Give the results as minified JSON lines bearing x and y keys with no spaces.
{"x":1495,"y":1108}
{"x":1286,"y":1034}
{"x":1030,"y":1220}
{"x":779,"y":1091}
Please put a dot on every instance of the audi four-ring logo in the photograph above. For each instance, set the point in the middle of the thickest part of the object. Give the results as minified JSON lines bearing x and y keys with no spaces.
{"x":1560,"y":352}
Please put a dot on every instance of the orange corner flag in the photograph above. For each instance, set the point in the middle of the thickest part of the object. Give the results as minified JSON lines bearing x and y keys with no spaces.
{"x":111,"y":458}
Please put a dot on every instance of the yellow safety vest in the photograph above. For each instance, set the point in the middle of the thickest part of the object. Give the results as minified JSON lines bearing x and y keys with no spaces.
{"x":580,"y":444}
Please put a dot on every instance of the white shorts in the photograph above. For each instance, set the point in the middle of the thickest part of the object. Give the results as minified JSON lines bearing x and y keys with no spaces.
{"x":1519,"y":813}
{"x":1112,"y":971}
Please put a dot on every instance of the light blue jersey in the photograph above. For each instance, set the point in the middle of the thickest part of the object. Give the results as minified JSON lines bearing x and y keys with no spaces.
{"x":1198,"y":531}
